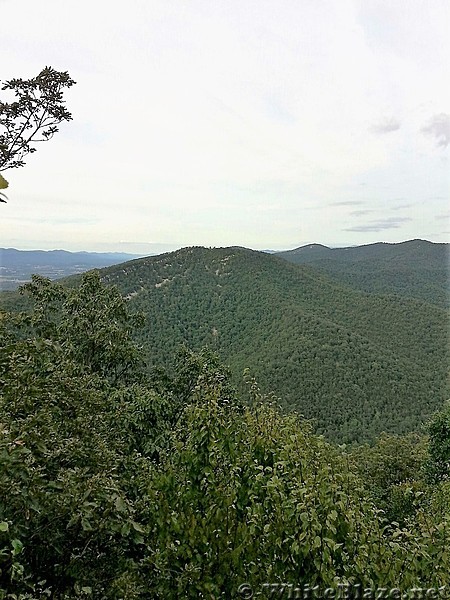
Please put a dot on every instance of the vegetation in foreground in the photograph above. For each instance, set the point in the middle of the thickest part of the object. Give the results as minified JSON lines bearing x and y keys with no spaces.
{"x":115,"y":484}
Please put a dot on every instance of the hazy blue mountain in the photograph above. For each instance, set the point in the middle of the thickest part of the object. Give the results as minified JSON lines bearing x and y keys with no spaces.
{"x":17,"y":266}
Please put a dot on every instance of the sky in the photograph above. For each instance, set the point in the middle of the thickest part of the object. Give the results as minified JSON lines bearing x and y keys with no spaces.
{"x":269,"y":124}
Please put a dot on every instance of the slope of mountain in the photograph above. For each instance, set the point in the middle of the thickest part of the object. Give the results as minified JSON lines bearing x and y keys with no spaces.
{"x":357,"y":363}
{"x":17,"y":266}
{"x":416,"y":268}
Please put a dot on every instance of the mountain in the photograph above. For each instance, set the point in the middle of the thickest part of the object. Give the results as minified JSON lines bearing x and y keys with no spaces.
{"x":416,"y":268}
{"x":17,"y":266}
{"x":357,"y":363}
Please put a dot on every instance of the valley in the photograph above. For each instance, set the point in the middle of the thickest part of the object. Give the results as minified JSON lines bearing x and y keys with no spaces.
{"x":17,"y":266}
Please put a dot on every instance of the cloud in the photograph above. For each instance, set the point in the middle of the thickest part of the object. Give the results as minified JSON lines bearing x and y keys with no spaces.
{"x":380,"y":225}
{"x":347,"y":203}
{"x":443,"y":217}
{"x":357,"y":213}
{"x":69,"y":221}
{"x":385,"y":125}
{"x":401,"y":206}
{"x":439,"y":128}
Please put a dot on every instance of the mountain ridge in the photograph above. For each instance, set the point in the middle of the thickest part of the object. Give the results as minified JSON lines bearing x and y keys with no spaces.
{"x":414,"y":268}
{"x":358,"y":363}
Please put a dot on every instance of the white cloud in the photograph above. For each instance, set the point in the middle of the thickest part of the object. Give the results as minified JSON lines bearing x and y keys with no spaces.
{"x":439,"y":128}
{"x":385,"y":125}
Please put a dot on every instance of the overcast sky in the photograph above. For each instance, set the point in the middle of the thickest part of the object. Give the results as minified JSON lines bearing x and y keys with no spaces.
{"x":261,"y":123}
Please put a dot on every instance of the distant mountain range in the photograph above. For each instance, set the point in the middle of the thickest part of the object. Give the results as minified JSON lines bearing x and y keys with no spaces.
{"x":17,"y":266}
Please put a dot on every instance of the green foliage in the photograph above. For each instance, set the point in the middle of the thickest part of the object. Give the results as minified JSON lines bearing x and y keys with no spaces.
{"x":438,"y":464}
{"x":3,"y":185}
{"x":392,"y":472}
{"x":66,"y":447}
{"x":253,"y":496}
{"x":91,"y":323}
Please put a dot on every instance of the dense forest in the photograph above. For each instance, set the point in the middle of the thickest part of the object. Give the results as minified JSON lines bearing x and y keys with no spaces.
{"x":120,"y":481}
{"x":356,"y":363}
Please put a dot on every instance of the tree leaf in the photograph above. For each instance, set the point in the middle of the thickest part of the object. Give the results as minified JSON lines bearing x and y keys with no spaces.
{"x":3,"y":183}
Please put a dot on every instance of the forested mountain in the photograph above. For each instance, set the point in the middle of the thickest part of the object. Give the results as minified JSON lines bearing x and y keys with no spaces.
{"x":357,"y":363}
{"x":416,"y":268}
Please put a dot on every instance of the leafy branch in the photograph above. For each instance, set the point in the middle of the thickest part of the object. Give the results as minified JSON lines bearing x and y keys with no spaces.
{"x":32,"y":117}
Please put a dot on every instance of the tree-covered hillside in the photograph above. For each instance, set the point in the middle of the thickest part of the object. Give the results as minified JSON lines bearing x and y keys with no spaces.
{"x":416,"y":268}
{"x":357,"y":363}
{"x":115,"y":484}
